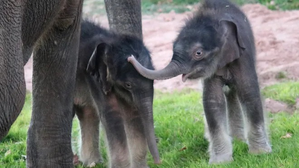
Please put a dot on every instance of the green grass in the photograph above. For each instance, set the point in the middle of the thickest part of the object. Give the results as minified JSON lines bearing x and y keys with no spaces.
{"x":279,"y":4}
{"x":180,"y":6}
{"x":180,"y":129}
{"x":14,"y":144}
{"x":286,"y":92}
{"x":165,"y":6}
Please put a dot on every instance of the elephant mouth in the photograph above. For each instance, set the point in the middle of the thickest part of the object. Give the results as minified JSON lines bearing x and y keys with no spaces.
{"x":192,"y":75}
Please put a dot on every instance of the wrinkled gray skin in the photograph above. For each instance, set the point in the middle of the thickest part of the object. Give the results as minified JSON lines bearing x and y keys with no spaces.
{"x":217,"y":45}
{"x":109,"y":90}
{"x":50,"y":28}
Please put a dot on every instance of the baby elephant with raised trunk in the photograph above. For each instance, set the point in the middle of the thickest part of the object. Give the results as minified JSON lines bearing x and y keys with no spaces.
{"x":109,"y":90}
{"x":217,"y":45}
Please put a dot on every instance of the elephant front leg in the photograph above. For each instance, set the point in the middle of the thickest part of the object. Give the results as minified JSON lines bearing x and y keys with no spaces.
{"x":220,"y":146}
{"x":55,"y":60}
{"x":136,"y":141}
{"x":113,"y":123}
{"x":90,"y":124}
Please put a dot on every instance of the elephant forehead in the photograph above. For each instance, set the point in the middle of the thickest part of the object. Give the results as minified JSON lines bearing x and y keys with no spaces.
{"x":206,"y":35}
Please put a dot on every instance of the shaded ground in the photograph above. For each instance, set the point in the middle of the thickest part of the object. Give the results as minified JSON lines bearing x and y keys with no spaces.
{"x":276,"y":34}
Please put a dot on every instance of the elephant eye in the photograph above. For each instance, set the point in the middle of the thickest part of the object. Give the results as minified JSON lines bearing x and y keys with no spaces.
{"x":198,"y":54}
{"x":128,"y":85}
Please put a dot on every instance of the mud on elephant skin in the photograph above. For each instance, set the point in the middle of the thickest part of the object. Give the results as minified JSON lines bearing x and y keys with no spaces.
{"x":109,"y":90}
{"x":217,"y":45}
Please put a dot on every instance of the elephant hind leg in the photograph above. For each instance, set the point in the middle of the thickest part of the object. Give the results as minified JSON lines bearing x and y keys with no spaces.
{"x":89,"y":123}
{"x":236,"y":123}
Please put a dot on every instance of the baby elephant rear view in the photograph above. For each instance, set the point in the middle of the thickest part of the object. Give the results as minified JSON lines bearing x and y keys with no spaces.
{"x":217,"y":45}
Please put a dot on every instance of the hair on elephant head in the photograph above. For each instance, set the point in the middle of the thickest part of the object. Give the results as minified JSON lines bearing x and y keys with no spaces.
{"x":217,"y":45}
{"x":123,"y":97}
{"x":109,"y":63}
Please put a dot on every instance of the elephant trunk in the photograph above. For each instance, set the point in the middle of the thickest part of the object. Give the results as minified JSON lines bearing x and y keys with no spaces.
{"x":148,"y":123}
{"x":171,"y":70}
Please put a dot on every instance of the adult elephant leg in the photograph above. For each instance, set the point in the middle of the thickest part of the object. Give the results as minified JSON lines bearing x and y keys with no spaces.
{"x":220,"y":146}
{"x":90,"y":124}
{"x":125,"y":16}
{"x":12,"y":83}
{"x":55,"y":60}
{"x":37,"y":17}
{"x":136,"y":140}
{"x":235,"y":115}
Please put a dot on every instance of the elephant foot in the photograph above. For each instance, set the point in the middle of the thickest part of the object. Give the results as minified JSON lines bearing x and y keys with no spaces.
{"x":87,"y":162}
{"x":260,"y":149}
{"x":91,"y":161}
{"x":223,"y":158}
{"x":141,"y":164}
{"x":258,"y":142}
{"x":220,"y":148}
{"x":221,"y":153}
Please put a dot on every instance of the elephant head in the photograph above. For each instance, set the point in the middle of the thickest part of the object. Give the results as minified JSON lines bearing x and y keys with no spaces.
{"x":207,"y":43}
{"x":109,"y":64}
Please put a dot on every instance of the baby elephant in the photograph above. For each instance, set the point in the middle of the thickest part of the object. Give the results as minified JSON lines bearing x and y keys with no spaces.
{"x":109,"y":90}
{"x":217,"y":45}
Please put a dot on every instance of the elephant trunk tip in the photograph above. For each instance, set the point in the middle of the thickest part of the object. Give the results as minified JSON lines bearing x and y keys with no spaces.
{"x":154,"y":151}
{"x":130,"y":58}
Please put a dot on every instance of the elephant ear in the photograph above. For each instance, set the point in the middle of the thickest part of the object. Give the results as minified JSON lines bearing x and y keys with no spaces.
{"x":233,"y":38}
{"x":97,"y":66}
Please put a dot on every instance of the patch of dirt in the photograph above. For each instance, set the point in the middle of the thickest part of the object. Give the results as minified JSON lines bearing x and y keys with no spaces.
{"x":276,"y":35}
{"x":274,"y":106}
